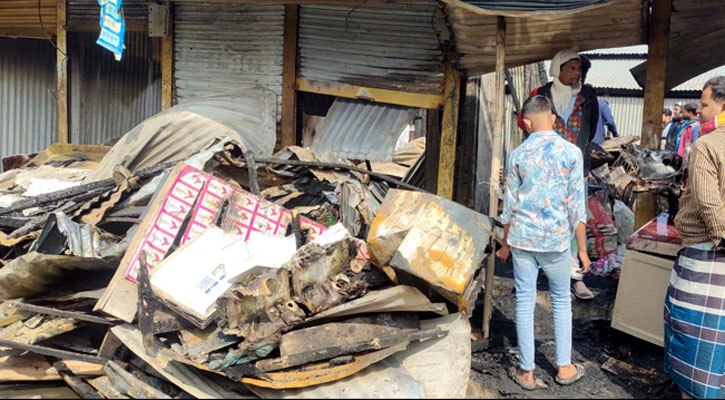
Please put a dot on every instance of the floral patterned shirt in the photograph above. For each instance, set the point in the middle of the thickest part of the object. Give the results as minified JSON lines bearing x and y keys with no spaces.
{"x":544,"y":200}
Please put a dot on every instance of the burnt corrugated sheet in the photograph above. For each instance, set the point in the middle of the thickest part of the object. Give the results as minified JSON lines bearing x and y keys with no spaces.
{"x":627,"y":112}
{"x":109,"y":97}
{"x":391,"y":46}
{"x":690,"y":19}
{"x":22,"y":18}
{"x":361,"y":130}
{"x":222,"y":47}
{"x":529,"y":5}
{"x":530,"y":39}
{"x":90,"y":10}
{"x":28,"y":109}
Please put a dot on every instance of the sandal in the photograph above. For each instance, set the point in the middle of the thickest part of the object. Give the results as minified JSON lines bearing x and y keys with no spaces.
{"x":515,"y":378}
{"x":579,"y":374}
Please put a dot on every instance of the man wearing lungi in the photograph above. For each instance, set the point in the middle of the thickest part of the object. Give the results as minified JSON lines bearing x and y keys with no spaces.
{"x":695,"y":302}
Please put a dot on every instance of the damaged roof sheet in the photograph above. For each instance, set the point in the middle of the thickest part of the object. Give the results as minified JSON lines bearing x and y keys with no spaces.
{"x":361,"y":130}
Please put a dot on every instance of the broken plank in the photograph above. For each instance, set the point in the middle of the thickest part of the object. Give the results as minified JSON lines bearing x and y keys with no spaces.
{"x":39,"y":329}
{"x":397,"y":298}
{"x":103,"y":385}
{"x":128,"y":384}
{"x":146,"y":307}
{"x":82,"y":388}
{"x":189,"y":380}
{"x":109,"y":346}
{"x":320,"y":373}
{"x":33,"y":367}
{"x":47,"y":351}
{"x":322,"y":165}
{"x":357,"y":347}
{"x":59,"y":313}
{"x":345,"y":332}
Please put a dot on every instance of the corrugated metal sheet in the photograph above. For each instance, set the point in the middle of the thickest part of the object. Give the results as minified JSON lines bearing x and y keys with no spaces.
{"x":615,"y":74}
{"x":108,"y":97}
{"x":627,"y":112}
{"x":529,"y":5}
{"x":22,"y":18}
{"x":28,"y":113}
{"x":90,"y":10}
{"x":698,"y":82}
{"x":527,"y":8}
{"x":639,"y":49}
{"x":361,"y":130}
{"x":530,"y":39}
{"x":392,"y":46}
{"x":696,"y":41}
{"x":221,"y":47}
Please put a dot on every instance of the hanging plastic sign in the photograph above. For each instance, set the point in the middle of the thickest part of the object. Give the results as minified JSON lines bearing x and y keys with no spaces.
{"x":113,"y":27}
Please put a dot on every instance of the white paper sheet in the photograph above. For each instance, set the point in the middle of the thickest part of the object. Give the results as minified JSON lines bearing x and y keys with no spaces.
{"x":198,"y":272}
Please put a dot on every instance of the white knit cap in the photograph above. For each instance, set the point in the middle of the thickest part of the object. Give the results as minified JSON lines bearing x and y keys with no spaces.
{"x":560,"y":59}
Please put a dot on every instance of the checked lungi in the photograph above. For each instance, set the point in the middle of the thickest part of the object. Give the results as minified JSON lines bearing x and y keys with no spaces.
{"x":695,"y":322}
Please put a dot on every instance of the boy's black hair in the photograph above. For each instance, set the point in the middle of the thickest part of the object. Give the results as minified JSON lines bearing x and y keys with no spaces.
{"x":535,"y":105}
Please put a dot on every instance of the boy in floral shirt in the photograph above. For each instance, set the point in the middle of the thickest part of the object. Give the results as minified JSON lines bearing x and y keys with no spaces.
{"x":543,"y":209}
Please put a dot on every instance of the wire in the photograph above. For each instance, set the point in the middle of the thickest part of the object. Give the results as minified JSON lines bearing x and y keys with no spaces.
{"x":347,"y":26}
{"x":433,"y":25}
{"x":47,"y":35}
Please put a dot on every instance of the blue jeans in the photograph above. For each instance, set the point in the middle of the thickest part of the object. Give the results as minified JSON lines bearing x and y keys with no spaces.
{"x":557,"y":267}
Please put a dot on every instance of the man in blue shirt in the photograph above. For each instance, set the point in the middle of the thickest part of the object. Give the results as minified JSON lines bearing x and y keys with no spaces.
{"x":605,"y":113}
{"x":605,"y":119}
{"x":543,"y":209}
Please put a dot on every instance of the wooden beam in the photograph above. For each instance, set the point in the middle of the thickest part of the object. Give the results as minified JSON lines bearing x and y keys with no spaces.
{"x":449,"y":131}
{"x":432,"y":145}
{"x":654,"y":98}
{"x":167,"y":63}
{"x":654,"y":89}
{"x":62,"y":74}
{"x":289,"y":75}
{"x":408,"y":99}
{"x":497,"y":146}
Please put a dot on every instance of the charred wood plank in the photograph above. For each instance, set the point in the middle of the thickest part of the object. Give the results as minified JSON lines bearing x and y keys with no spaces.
{"x":47,"y":351}
{"x":315,"y":164}
{"x":84,"y":390}
{"x":93,"y":187}
{"x":69,"y":314}
{"x":343,"y":350}
{"x":146,"y":307}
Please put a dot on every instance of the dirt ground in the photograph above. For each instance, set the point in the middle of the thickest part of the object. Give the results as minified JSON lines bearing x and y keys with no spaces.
{"x":594,"y":342}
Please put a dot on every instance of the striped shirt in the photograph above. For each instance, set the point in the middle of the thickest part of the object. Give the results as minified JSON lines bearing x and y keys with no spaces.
{"x":702,"y":208}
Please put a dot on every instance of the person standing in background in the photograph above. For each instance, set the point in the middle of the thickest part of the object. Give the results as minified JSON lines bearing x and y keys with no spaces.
{"x":605,"y":113}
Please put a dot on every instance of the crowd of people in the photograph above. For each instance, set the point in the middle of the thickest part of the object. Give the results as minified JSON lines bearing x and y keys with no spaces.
{"x":680,"y":128}
{"x":544,"y":220}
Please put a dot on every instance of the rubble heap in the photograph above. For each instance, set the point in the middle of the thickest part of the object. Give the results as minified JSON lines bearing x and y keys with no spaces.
{"x":226,"y":275}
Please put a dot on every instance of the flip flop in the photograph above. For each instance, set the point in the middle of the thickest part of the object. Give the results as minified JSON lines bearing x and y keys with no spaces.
{"x":515,"y":378}
{"x":579,"y":374}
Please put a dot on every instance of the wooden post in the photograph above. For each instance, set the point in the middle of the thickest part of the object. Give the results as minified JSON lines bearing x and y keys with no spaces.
{"x":497,"y":146}
{"x":449,"y":131}
{"x":289,"y":76}
{"x":167,"y":63}
{"x":654,"y":89}
{"x":432,"y":153}
{"x":654,"y":97}
{"x":62,"y":73}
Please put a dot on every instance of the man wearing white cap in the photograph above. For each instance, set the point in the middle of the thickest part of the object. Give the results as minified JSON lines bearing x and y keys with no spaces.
{"x":577,"y":115}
